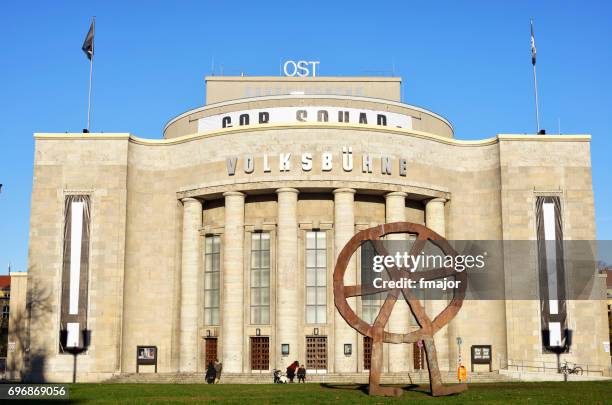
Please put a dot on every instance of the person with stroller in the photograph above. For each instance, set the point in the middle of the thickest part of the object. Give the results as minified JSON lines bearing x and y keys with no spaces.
{"x":278,"y":377}
{"x":301,"y":374}
{"x":211,"y":373}
{"x":291,"y":370}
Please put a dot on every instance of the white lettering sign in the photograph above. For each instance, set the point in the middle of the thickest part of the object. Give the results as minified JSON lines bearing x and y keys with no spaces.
{"x":300,"y":68}
{"x":304,"y":114}
{"x":324,"y":162}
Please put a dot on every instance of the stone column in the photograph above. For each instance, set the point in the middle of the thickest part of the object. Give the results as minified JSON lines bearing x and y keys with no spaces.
{"x":435,"y":220}
{"x":232,"y":309}
{"x":190,"y":266}
{"x":344,"y":229}
{"x":399,"y":322}
{"x":287,"y":312}
{"x":434,"y":215}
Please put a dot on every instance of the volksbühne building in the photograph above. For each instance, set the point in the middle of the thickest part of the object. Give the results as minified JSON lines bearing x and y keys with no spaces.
{"x":219,"y":240}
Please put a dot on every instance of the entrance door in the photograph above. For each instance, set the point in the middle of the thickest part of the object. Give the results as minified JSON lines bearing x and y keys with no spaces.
{"x":260,"y":353}
{"x":418,"y":356}
{"x":367,"y":352}
{"x":316,"y":352}
{"x":210,"y":351}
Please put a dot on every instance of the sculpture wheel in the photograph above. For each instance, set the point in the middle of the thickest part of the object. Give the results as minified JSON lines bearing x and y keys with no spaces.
{"x":376,"y":331}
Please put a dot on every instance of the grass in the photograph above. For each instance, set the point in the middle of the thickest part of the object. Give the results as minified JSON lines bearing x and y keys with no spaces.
{"x":599,"y":392}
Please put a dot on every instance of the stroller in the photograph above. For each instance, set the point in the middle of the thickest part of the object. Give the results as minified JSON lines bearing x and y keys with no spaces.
{"x":279,"y":378}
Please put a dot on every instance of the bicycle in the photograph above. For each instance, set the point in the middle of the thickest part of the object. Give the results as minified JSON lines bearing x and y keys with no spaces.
{"x":566,"y":369}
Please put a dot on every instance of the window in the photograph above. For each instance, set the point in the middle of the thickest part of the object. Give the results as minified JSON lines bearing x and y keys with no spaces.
{"x":212,"y":265}
{"x":370,"y":304}
{"x":260,"y":278}
{"x":316,"y":277}
{"x":5,"y":312}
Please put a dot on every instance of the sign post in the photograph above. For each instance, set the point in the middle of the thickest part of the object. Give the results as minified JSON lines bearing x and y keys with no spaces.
{"x":461,"y":370}
{"x":420,"y":346}
{"x":459,"y":341}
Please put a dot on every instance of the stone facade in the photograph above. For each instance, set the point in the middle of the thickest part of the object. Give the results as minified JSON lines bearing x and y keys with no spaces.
{"x":154,"y":202}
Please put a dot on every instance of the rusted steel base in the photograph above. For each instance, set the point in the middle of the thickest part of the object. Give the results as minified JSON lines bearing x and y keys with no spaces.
{"x":435,"y":377}
{"x":376,"y":331}
{"x":375,"y":368}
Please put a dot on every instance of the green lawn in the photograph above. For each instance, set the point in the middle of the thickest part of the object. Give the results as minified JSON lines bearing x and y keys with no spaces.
{"x":494,"y":393}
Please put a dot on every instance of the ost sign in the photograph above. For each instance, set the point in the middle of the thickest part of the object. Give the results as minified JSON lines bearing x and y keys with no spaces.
{"x":301,"y":68}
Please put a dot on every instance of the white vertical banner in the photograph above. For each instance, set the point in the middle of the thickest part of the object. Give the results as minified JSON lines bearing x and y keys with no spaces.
{"x":76,"y":239}
{"x":548,"y":212}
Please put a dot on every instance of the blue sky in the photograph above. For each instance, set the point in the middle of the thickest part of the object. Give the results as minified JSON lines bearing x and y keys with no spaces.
{"x":468,"y":61}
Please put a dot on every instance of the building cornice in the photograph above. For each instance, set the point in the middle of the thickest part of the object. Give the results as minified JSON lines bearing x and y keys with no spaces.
{"x":81,"y":136}
{"x":545,"y":138}
{"x":314,"y":125}
{"x":309,"y":79}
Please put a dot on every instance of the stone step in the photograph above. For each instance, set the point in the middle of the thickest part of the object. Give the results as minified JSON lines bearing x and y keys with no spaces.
{"x":266,"y":378}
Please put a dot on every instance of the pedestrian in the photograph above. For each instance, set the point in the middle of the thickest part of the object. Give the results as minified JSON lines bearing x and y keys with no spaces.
{"x":301,"y":374}
{"x":218,"y":368}
{"x":211,"y":373}
{"x":291,"y":370}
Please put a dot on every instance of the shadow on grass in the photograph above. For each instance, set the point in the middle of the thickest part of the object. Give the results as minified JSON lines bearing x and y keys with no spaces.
{"x":49,"y":401}
{"x":364,"y":388}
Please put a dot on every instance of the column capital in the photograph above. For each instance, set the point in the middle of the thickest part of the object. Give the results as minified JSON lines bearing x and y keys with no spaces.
{"x":437,"y":200}
{"x":344,"y":191}
{"x":287,"y":190}
{"x":396,"y":194}
{"x":190,"y":200}
{"x":233,"y":193}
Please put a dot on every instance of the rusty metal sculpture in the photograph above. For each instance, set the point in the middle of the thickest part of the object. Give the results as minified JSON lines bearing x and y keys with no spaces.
{"x":376,"y":331}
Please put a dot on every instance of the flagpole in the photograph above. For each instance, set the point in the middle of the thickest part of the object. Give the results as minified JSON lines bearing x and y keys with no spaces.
{"x":535,"y":86}
{"x":535,"y":78}
{"x":93,"y":39}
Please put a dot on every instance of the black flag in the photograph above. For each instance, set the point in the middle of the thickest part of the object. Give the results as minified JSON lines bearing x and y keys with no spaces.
{"x":88,"y":44}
